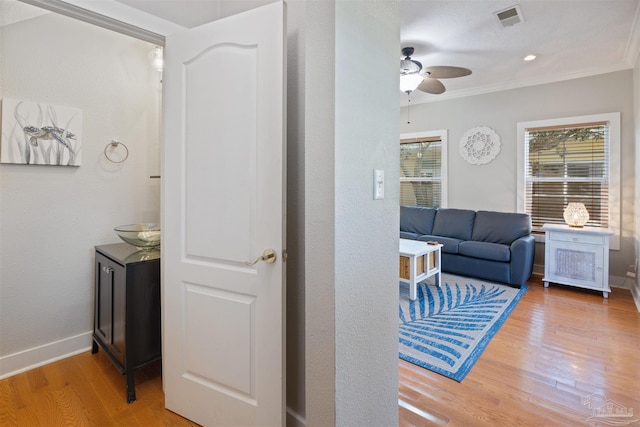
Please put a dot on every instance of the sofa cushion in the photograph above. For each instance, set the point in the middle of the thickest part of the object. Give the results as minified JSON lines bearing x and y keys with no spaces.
{"x":450,"y":245}
{"x":416,"y":219}
{"x":500,"y":227}
{"x":455,"y":223}
{"x":485,"y":250}
{"x":408,"y":235}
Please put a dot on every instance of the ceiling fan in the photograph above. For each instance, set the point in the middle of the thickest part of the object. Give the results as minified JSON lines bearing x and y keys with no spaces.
{"x":413,"y":76}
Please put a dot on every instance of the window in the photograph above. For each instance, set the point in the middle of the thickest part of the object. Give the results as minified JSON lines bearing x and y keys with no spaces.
{"x":570,"y":160}
{"x":423,"y":169}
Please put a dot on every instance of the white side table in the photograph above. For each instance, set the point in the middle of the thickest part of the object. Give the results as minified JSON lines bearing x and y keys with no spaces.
{"x":577,"y":257}
{"x":418,"y":261}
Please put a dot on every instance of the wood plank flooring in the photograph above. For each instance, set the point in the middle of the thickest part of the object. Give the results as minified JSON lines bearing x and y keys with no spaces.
{"x":558,"y":347}
{"x":84,"y":390}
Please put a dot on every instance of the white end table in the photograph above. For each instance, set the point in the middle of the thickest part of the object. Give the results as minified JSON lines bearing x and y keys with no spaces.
{"x":577,"y":257}
{"x":418,"y":261}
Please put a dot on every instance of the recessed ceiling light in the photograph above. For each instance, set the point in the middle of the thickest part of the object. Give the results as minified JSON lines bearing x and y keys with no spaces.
{"x":529,"y":57}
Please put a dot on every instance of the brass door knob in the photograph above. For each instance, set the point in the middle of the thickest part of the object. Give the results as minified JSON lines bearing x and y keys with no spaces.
{"x":269,"y":256}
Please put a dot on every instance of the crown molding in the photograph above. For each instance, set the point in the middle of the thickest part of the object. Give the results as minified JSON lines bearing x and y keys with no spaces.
{"x":632,"y":50}
{"x":114,"y":16}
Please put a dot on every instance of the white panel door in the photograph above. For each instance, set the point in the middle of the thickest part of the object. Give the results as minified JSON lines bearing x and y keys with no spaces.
{"x":223,"y":204}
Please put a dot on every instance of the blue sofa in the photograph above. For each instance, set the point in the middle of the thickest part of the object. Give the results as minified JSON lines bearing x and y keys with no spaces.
{"x":496,"y":246}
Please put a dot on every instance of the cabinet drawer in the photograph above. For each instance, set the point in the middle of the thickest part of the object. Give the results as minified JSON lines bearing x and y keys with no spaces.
{"x":577,"y":238}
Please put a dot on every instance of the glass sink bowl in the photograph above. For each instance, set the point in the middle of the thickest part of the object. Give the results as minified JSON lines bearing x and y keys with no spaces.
{"x":145,"y":236}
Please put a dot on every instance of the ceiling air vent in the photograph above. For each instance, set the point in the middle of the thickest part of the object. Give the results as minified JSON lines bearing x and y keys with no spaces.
{"x":509,"y":16}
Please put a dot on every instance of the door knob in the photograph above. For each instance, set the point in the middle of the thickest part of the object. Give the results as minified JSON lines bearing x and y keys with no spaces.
{"x":269,"y":256}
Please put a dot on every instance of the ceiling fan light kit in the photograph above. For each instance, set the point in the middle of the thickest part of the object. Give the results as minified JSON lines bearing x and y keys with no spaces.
{"x":413,"y":76}
{"x":409,"y":82}
{"x":407,"y":66}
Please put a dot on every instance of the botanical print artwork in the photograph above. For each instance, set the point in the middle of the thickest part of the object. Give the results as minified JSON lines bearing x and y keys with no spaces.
{"x":40,"y":134}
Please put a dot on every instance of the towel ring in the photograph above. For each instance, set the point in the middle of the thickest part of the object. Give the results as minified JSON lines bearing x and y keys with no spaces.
{"x":113,"y":144}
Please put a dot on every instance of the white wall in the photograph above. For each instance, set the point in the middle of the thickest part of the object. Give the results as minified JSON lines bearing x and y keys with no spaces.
{"x":51,"y":217}
{"x":493,"y":186}
{"x":351,"y":128}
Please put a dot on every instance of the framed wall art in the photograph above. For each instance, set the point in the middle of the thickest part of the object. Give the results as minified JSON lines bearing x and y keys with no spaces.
{"x":480,"y":145}
{"x":36,"y":133}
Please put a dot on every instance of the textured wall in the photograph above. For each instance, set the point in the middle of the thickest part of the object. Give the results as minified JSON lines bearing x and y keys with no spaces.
{"x":366,"y":230}
{"x":351,"y":242}
{"x":493,"y":186}
{"x":320,"y":185}
{"x":51,"y":217}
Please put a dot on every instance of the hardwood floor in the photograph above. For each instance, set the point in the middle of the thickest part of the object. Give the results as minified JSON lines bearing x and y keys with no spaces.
{"x":84,"y":390}
{"x":558,"y":347}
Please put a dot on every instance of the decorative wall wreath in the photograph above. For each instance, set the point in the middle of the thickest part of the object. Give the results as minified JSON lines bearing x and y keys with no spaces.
{"x":480,"y":145}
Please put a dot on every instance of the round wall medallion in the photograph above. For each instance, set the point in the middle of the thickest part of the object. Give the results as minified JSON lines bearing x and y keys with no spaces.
{"x":480,"y":145}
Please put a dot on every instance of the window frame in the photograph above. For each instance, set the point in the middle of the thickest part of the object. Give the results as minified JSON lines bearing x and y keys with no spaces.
{"x":442,"y":134}
{"x":613,"y":119}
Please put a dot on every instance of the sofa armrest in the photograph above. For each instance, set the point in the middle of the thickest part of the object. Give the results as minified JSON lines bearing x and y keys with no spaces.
{"x":522,"y":254}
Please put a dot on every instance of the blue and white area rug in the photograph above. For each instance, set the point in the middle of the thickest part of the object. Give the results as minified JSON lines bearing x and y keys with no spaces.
{"x":447,"y":328}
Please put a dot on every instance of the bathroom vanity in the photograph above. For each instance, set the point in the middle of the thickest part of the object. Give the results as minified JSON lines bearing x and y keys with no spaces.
{"x":127,"y":308}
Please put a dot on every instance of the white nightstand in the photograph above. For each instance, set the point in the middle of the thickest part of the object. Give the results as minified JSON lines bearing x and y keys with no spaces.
{"x":577,"y":257}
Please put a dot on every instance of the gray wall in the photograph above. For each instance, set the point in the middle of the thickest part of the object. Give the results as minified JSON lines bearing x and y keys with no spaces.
{"x":295,"y":214}
{"x":366,"y":230}
{"x":636,"y":99}
{"x":493,"y":186}
{"x":351,"y":240}
{"x":51,"y":217}
{"x":320,"y":187}
{"x":342,"y":284}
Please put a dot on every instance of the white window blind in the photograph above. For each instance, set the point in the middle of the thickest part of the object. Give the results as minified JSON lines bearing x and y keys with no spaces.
{"x":421,"y":172}
{"x":563,"y":164}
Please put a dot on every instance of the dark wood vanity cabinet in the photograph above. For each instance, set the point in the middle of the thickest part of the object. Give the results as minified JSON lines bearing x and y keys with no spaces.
{"x":127,"y":308}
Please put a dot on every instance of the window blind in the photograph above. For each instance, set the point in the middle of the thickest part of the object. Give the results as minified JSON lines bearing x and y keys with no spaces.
{"x":421,"y":172}
{"x":567,"y":164}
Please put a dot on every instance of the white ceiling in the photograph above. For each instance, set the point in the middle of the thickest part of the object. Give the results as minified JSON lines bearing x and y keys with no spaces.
{"x":572,"y":38}
{"x":191,"y":13}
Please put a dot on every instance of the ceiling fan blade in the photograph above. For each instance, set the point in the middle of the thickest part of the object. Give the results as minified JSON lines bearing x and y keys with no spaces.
{"x":432,"y":86}
{"x":445,"y":72}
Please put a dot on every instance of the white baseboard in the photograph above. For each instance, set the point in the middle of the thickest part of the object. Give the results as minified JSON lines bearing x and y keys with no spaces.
{"x":16,"y":363}
{"x":635,"y":293}
{"x":621,"y":282}
{"x":538,"y":269}
{"x":294,"y":419}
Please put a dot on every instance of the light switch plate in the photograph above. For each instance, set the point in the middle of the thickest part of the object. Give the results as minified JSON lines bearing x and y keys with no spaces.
{"x":378,"y":184}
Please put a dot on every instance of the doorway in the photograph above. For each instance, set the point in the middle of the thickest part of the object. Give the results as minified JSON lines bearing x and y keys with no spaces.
{"x":62,"y":212}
